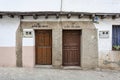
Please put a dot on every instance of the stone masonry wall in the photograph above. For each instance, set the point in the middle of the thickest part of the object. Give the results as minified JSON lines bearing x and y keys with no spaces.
{"x":89,"y":46}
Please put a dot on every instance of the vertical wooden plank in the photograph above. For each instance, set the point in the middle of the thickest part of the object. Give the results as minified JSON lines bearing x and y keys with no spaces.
{"x":71,"y":48}
{"x":43,"y":47}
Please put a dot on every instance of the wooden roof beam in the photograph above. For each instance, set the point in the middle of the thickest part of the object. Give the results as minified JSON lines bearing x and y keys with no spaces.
{"x":11,"y":16}
{"x":92,"y":16}
{"x":68,"y":15}
{"x":46,"y":16}
{"x":80,"y":15}
{"x":1,"y":16}
{"x":115,"y":16}
{"x":57,"y":16}
{"x":35,"y":16}
{"x":21,"y":16}
{"x":103,"y":16}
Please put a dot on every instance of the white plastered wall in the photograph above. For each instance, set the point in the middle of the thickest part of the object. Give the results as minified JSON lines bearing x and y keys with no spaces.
{"x":101,"y":6}
{"x":105,"y":44}
{"x":8,"y":38}
{"x":107,"y":57}
{"x":28,"y":49}
{"x":8,"y":27}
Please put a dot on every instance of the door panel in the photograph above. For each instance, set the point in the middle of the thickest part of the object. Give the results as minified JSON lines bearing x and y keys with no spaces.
{"x":43,"y":47}
{"x":71,"y":48}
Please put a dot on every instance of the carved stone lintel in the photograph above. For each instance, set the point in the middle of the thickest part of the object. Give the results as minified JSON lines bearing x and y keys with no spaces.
{"x":38,"y":25}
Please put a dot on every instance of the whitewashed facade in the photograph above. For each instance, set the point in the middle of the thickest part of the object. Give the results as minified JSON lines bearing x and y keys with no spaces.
{"x":107,"y":58}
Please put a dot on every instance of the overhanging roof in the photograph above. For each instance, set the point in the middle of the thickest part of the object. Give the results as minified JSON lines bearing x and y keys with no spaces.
{"x":59,"y":14}
{"x":51,"y":13}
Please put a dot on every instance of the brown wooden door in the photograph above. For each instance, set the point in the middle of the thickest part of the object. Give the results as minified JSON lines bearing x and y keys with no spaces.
{"x":71,"y":48}
{"x":43,"y":47}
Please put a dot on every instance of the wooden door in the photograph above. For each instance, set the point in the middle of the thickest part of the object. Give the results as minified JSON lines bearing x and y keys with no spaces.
{"x":71,"y":48}
{"x":43,"y":47}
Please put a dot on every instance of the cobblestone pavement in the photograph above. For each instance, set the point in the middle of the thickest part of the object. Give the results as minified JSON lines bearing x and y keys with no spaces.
{"x":56,"y":74}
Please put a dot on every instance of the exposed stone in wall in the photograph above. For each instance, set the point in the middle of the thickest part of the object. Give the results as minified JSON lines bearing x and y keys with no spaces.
{"x":63,"y":25}
{"x":19,"y":47}
{"x":57,"y":48}
{"x":109,"y":59}
{"x":89,"y":46}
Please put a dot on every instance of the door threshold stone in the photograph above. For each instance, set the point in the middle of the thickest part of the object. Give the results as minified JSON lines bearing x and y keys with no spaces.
{"x":44,"y":66}
{"x":72,"y":68}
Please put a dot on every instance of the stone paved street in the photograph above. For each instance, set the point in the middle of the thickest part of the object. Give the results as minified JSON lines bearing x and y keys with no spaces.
{"x":56,"y":74}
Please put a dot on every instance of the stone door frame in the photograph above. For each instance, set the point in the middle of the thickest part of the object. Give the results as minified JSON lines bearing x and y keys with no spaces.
{"x":89,"y":43}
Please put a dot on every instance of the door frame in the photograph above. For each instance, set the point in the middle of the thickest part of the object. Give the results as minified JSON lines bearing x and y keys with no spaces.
{"x":35,"y":43}
{"x":80,"y":44}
